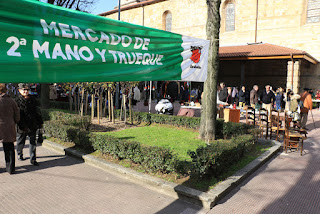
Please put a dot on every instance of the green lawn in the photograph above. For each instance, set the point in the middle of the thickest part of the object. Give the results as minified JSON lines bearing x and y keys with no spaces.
{"x":179,"y":140}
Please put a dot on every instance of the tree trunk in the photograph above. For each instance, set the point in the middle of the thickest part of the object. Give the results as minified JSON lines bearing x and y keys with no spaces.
{"x":100,"y":105}
{"x":209,"y":102}
{"x":92,"y":106}
{"x":98,"y":109}
{"x":86,"y":103}
{"x":124,"y":108}
{"x":45,"y":101}
{"x":105,"y":105}
{"x":130,"y":110}
{"x":75,"y":102}
{"x":78,"y":101}
{"x":70,"y":101}
{"x":112,"y":110}
{"x":109,"y":104}
{"x":121,"y":108}
{"x":82,"y":103}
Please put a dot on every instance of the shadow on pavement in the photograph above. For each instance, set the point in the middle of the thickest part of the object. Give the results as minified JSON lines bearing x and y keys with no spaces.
{"x":58,"y":161}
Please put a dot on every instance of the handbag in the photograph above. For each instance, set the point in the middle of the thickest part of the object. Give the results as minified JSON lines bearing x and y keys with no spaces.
{"x":40,"y":136}
{"x":295,"y":116}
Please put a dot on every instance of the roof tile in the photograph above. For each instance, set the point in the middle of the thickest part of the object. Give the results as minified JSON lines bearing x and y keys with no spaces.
{"x":253,"y":50}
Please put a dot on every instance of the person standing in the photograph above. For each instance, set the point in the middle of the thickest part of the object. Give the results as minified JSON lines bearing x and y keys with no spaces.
{"x":267,"y":97}
{"x":242,"y":97}
{"x":279,"y":98}
{"x":223,"y":93}
{"x":293,"y":109}
{"x":307,"y":105}
{"x":9,"y":116}
{"x":30,"y":121}
{"x":254,"y":96}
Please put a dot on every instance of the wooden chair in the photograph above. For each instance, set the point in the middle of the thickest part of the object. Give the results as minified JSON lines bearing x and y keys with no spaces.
{"x":263,"y":122}
{"x":276,"y":125}
{"x":293,"y":139}
{"x":250,"y":115}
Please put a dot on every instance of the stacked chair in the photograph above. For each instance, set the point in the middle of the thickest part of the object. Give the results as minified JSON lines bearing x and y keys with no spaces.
{"x":250,"y":116}
{"x":263,"y":122}
{"x":276,"y":124}
{"x":293,"y":138}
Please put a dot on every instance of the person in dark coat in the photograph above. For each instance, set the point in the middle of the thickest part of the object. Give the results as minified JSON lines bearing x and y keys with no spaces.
{"x":30,"y":121}
{"x":9,"y":116}
{"x":223,"y":93}
{"x":254,"y":98}
{"x":242,"y":97}
{"x":267,"y":97}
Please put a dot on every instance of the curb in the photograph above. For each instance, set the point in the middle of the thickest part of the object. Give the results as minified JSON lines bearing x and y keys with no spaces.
{"x":205,"y":199}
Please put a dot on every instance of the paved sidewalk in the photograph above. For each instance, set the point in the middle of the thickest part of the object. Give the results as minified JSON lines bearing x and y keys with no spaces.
{"x":64,"y":184}
{"x":289,"y":183}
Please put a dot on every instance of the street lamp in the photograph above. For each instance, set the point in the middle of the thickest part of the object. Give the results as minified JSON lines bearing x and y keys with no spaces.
{"x":117,"y":85}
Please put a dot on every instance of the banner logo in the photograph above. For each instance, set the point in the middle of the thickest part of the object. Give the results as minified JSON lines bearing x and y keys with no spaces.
{"x":196,"y":54}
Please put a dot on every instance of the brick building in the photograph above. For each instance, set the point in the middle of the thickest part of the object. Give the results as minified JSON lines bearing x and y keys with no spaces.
{"x":262,"y":42}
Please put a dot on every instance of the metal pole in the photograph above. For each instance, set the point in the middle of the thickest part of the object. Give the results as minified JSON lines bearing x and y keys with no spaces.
{"x":150,"y":97}
{"x":190,"y":93}
{"x":119,"y":9}
{"x":256,"y":27}
{"x":292,"y":72}
{"x":117,"y":84}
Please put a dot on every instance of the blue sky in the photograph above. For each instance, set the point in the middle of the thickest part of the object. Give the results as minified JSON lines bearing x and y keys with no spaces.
{"x":104,"y":6}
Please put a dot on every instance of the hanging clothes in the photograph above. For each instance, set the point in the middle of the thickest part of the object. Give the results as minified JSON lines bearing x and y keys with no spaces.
{"x":136,"y":94}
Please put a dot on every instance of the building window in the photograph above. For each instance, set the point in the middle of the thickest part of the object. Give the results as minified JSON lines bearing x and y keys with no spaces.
{"x":230,"y":17}
{"x":167,"y":19}
{"x":313,"y":11}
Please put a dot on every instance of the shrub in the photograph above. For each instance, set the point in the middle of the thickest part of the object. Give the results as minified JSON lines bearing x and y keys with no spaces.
{"x":66,"y":118}
{"x":152,"y":158}
{"x":60,"y":105}
{"x":231,"y":129}
{"x":58,"y":130}
{"x":67,"y":127}
{"x":214,"y":159}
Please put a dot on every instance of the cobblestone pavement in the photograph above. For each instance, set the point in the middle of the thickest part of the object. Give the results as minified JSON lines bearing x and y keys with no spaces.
{"x":64,"y":184}
{"x":289,"y":183}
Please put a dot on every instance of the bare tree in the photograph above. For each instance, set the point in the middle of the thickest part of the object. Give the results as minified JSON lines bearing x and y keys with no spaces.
{"x":80,"y":5}
{"x":209,"y":110}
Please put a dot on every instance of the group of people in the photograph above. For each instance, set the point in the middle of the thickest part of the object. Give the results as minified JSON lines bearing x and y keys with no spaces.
{"x":19,"y":119}
{"x":297,"y":105}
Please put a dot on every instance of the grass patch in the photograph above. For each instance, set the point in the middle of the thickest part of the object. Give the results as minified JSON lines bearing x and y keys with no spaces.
{"x":179,"y":140}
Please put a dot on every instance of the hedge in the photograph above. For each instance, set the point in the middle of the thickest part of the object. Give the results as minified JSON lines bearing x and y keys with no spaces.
{"x":210,"y":160}
{"x":152,"y":158}
{"x":66,"y":118}
{"x":67,"y":126}
{"x":214,"y":159}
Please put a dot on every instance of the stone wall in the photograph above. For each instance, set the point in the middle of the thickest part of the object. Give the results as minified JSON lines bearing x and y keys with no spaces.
{"x":280,"y":22}
{"x":188,"y":16}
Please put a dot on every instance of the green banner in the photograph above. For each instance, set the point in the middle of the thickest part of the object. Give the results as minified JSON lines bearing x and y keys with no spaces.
{"x":43,"y":43}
